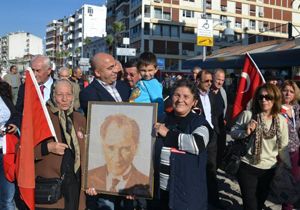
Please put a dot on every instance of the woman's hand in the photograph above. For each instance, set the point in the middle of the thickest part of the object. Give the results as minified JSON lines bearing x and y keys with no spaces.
{"x":11,"y":128}
{"x":91,"y":191}
{"x":161,"y":129}
{"x":251,"y":127}
{"x":57,"y":148}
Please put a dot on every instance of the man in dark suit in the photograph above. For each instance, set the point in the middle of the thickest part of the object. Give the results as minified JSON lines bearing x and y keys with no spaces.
{"x":41,"y":67}
{"x":119,"y":140}
{"x":105,"y":86}
{"x":209,"y":107}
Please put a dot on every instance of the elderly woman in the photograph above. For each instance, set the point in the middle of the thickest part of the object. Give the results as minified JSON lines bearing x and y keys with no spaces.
{"x":63,"y":158}
{"x":291,"y":110}
{"x":9,"y":120}
{"x":180,"y":152}
{"x":269,"y":138}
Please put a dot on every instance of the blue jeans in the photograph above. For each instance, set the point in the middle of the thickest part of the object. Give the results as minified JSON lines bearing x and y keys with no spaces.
{"x":7,"y":190}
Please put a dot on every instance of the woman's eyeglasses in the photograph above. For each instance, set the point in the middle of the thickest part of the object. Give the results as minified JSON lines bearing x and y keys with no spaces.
{"x":267,"y":97}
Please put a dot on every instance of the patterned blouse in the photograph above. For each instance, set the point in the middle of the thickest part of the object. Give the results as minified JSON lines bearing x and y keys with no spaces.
{"x":293,"y":126}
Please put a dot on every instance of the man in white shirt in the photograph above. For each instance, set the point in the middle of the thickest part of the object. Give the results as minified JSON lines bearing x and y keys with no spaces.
{"x":41,"y":67}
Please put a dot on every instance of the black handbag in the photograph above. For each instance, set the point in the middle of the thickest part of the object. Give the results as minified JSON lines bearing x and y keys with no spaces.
{"x":232,"y":155}
{"x":47,"y":190}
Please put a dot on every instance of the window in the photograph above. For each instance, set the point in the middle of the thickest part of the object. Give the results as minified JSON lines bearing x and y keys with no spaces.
{"x":252,"y":24}
{"x":158,"y":13}
{"x":174,"y":31}
{"x":166,"y":30}
{"x":188,"y":13}
{"x":147,"y":11}
{"x":156,"y":29}
{"x":167,"y":15}
{"x":189,"y":0}
{"x":146,"y":28}
{"x":90,"y":11}
{"x":159,"y":47}
{"x":188,"y":30}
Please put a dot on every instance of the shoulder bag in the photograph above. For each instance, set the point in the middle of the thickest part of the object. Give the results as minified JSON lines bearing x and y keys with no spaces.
{"x":48,"y":190}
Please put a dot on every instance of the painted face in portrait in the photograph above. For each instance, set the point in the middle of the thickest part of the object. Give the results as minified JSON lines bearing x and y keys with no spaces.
{"x":119,"y":148}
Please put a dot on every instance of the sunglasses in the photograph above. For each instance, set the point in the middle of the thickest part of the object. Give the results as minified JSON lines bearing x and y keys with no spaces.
{"x":207,"y":81}
{"x":267,"y":97}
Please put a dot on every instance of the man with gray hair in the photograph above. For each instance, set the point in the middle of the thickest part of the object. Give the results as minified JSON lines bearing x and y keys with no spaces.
{"x":41,"y":67}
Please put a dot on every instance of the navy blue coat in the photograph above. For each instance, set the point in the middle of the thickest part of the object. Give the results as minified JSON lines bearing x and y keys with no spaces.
{"x":96,"y":92}
{"x":188,"y":187}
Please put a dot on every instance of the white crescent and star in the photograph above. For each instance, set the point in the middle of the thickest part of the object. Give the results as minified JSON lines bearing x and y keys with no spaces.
{"x":246,"y":76}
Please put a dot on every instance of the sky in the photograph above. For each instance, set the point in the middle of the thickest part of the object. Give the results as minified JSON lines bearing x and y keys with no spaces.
{"x":33,"y":15}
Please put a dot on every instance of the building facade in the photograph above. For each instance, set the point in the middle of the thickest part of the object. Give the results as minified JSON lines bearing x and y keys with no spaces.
{"x":168,"y":27}
{"x":66,"y":37}
{"x":16,"y":47}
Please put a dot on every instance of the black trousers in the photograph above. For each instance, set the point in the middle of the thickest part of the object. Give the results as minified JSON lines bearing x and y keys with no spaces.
{"x":255,"y":185}
{"x":211,"y":170}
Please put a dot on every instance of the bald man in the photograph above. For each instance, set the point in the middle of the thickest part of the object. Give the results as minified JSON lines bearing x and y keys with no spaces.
{"x":105,"y":86}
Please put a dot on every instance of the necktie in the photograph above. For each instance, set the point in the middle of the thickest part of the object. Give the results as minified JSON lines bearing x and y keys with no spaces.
{"x":42,"y":87}
{"x":114,"y":184}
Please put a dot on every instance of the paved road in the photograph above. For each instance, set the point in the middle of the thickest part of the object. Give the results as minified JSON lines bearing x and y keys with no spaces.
{"x":230,"y":193}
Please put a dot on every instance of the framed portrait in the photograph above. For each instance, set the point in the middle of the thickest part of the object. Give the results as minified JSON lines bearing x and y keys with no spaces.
{"x":119,"y":148}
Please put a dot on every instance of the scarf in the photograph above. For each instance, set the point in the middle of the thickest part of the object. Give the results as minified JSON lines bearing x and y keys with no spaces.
{"x":68,"y":129}
{"x":262,"y":133}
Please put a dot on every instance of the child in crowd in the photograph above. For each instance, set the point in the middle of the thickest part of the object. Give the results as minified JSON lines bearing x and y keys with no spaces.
{"x":148,"y":89}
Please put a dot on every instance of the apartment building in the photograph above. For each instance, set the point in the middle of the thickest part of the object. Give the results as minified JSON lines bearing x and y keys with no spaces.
{"x":168,"y":27}
{"x":16,"y":46}
{"x":66,"y":37}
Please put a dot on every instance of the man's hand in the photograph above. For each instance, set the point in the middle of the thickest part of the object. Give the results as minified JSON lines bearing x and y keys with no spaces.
{"x":57,"y":148}
{"x":91,"y":191}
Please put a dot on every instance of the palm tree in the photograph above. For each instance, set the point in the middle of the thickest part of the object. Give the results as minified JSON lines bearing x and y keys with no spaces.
{"x":113,"y":40}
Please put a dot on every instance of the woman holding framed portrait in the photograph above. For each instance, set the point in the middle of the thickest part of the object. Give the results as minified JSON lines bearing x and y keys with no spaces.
{"x":180,"y":153}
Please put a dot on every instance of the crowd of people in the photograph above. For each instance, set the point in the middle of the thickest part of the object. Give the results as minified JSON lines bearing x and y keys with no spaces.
{"x":190,"y":134}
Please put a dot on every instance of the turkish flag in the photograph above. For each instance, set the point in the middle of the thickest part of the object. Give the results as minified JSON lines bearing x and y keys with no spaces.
{"x":251,"y":78}
{"x":36,"y":127}
{"x":9,"y":156}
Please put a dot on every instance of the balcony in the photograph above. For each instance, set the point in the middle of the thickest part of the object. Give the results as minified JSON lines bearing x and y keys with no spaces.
{"x":50,"y":29}
{"x":78,"y":17}
{"x":78,"y":36}
{"x":78,"y":26}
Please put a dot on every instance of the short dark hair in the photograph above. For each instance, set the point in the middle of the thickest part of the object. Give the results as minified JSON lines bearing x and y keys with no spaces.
{"x":191,"y":85}
{"x":202,"y":73}
{"x":13,"y":66}
{"x":147,"y":58}
{"x":131,"y":63}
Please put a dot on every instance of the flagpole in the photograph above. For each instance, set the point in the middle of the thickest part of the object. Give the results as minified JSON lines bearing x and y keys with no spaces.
{"x":247,"y":53}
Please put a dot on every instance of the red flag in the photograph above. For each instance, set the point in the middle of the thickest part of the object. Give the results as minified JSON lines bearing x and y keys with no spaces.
{"x":9,"y":155}
{"x":36,"y":127}
{"x":251,"y":78}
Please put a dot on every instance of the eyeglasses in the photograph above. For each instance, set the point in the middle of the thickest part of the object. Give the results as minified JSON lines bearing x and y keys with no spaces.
{"x":207,"y":81}
{"x":267,"y":97}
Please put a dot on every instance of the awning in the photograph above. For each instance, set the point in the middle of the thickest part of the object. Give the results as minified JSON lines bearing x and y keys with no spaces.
{"x":273,"y":57}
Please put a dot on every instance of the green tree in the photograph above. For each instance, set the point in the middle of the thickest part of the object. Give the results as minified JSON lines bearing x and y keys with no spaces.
{"x":114,"y":39}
